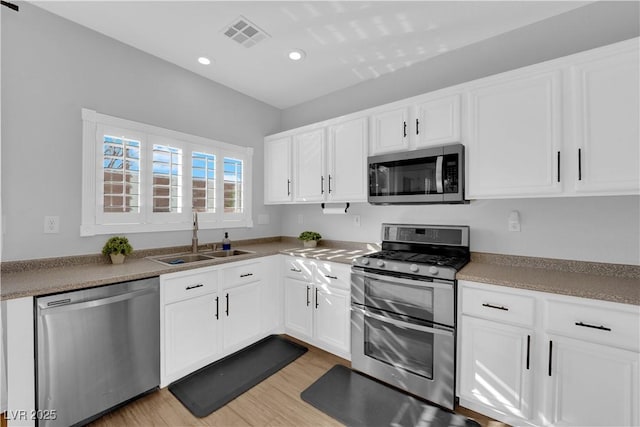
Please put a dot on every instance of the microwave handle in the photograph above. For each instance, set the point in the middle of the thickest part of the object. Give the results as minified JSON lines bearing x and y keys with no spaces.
{"x":439,"y":186}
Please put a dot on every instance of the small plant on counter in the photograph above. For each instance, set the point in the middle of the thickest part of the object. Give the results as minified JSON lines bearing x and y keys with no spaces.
{"x":117,"y":248}
{"x":309,"y":238}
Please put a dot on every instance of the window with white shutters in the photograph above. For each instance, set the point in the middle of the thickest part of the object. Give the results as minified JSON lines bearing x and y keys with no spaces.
{"x":140,"y":178}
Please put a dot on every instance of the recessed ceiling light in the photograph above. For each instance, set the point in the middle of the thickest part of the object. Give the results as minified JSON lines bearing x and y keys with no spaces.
{"x":204,"y":61}
{"x":297,"y":55}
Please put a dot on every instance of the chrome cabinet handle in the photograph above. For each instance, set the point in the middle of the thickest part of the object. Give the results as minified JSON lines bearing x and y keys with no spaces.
{"x":288,"y":187}
{"x":198,"y":285}
{"x":246,"y":275}
{"x":308,"y":302}
{"x":316,"y":298}
{"x":497,"y":307}
{"x":217,"y":308}
{"x":227,"y":310}
{"x":579,"y":164}
{"x":528,"y":349}
{"x":331,"y":277}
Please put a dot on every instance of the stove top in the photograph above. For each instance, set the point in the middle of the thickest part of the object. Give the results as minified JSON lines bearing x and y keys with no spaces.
{"x":420,"y":250}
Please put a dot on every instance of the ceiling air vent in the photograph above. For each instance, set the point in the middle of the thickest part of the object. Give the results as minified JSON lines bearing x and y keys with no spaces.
{"x":244,"y":32}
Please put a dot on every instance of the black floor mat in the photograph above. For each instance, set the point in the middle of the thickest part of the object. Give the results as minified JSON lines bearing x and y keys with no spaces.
{"x":355,"y":400}
{"x":215,"y":385}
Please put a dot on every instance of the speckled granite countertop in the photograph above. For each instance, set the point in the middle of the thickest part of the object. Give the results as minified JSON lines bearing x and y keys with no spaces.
{"x":41,"y":277}
{"x":609,"y":282}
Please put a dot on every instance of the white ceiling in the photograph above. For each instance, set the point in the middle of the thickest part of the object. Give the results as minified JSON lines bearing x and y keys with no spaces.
{"x":346,"y":42}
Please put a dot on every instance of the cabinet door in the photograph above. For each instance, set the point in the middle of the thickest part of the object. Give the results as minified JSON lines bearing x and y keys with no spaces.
{"x":514,"y":137}
{"x":347,"y":161}
{"x":190,"y":334}
{"x":332,"y":319}
{"x":309,"y":165}
{"x":277,"y":170}
{"x":242,"y":315}
{"x":495,"y":366}
{"x":590,"y":384}
{"x":390,"y":131}
{"x":607,"y":98}
{"x":297,"y":308}
{"x":437,"y":121}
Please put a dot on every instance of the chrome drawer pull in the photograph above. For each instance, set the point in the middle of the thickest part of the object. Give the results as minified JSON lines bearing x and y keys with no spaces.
{"x":586,"y":325}
{"x":497,"y":307}
{"x":246,"y":275}
{"x":199,"y":285}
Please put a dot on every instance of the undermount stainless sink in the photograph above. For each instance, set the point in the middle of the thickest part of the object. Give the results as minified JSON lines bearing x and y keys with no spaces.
{"x":187,"y":258}
{"x":230,"y":252}
{"x":177,"y":259}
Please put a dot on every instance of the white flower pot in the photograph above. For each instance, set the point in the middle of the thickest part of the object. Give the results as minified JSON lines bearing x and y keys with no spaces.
{"x":310,"y":243}
{"x":117,"y":258}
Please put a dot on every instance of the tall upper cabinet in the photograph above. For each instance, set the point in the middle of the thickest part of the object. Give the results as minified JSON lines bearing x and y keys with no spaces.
{"x":319,"y":163}
{"x":606,"y":91}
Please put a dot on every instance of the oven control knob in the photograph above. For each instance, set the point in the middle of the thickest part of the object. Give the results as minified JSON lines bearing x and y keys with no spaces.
{"x":380,"y":263}
{"x":434,"y":271}
{"x":414,"y":268}
{"x":364,"y":261}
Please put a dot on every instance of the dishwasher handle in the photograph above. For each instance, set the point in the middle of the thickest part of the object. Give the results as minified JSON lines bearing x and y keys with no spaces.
{"x":95,"y":302}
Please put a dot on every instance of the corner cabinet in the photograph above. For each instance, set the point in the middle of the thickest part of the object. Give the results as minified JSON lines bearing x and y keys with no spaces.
{"x":532,"y":358}
{"x":317,"y":303}
{"x":277,"y":170}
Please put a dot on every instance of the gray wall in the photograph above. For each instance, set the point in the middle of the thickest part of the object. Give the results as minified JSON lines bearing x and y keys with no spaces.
{"x":51,"y":68}
{"x":601,"y":229}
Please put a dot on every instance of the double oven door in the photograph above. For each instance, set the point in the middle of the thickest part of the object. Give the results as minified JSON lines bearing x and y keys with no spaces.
{"x":403,"y":332}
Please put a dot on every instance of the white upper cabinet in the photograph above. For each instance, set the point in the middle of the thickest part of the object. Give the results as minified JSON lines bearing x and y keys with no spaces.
{"x":515,"y":124}
{"x":437,"y":121}
{"x":606,"y":93}
{"x":277,"y":170}
{"x":347,"y":161}
{"x":309,"y":165}
{"x":390,"y":130}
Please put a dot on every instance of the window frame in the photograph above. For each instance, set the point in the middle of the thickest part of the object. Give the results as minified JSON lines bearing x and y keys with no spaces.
{"x":95,"y":221}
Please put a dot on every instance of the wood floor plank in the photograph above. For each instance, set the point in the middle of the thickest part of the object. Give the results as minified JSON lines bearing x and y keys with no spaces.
{"x":273,"y":402}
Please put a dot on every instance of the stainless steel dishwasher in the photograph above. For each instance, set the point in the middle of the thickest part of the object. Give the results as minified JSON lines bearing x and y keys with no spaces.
{"x":96,"y":348}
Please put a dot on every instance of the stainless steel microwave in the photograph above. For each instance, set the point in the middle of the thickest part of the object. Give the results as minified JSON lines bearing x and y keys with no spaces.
{"x":430,"y":175}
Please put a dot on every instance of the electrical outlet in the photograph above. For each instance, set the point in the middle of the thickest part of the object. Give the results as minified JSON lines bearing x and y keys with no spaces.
{"x":300,"y":219}
{"x":51,"y":224}
{"x":356,"y":220}
{"x":514,"y":221}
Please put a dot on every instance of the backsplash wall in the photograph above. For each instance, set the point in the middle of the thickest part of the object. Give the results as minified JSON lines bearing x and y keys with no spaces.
{"x":597,"y":229}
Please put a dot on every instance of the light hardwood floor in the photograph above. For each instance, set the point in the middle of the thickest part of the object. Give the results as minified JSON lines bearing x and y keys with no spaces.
{"x":274,"y":402}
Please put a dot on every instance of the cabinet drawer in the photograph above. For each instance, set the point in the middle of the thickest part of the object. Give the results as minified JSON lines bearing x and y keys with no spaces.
{"x":189,"y":285}
{"x":594,"y":322}
{"x":334,"y":275}
{"x":243,"y":273}
{"x":298,"y":268}
{"x":500,"y":306}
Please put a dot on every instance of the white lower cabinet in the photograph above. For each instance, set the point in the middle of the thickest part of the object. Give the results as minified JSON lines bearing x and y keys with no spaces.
{"x":532,"y":358}
{"x":191,"y":334}
{"x":210,"y":312}
{"x":496,"y":366}
{"x":317,"y":304}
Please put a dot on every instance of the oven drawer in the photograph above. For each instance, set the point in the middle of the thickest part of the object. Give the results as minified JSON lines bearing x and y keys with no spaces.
{"x":500,"y":306}
{"x":615,"y":325}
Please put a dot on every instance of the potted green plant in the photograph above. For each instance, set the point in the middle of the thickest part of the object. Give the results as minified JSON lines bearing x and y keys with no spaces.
{"x":117,"y":248}
{"x":309,"y":238}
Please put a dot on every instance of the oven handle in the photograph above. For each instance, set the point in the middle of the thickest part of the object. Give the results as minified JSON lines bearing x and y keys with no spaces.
{"x":402,"y":324}
{"x":433,"y":283}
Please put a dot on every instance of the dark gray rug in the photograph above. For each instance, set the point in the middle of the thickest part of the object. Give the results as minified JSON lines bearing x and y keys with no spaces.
{"x":356,"y":400}
{"x":215,"y":385}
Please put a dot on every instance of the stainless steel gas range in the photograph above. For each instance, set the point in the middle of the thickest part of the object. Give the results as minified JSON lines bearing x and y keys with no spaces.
{"x":403,"y":309}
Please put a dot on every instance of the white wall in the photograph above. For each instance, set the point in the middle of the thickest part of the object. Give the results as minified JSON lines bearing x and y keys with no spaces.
{"x":600,"y":229}
{"x":51,"y":68}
